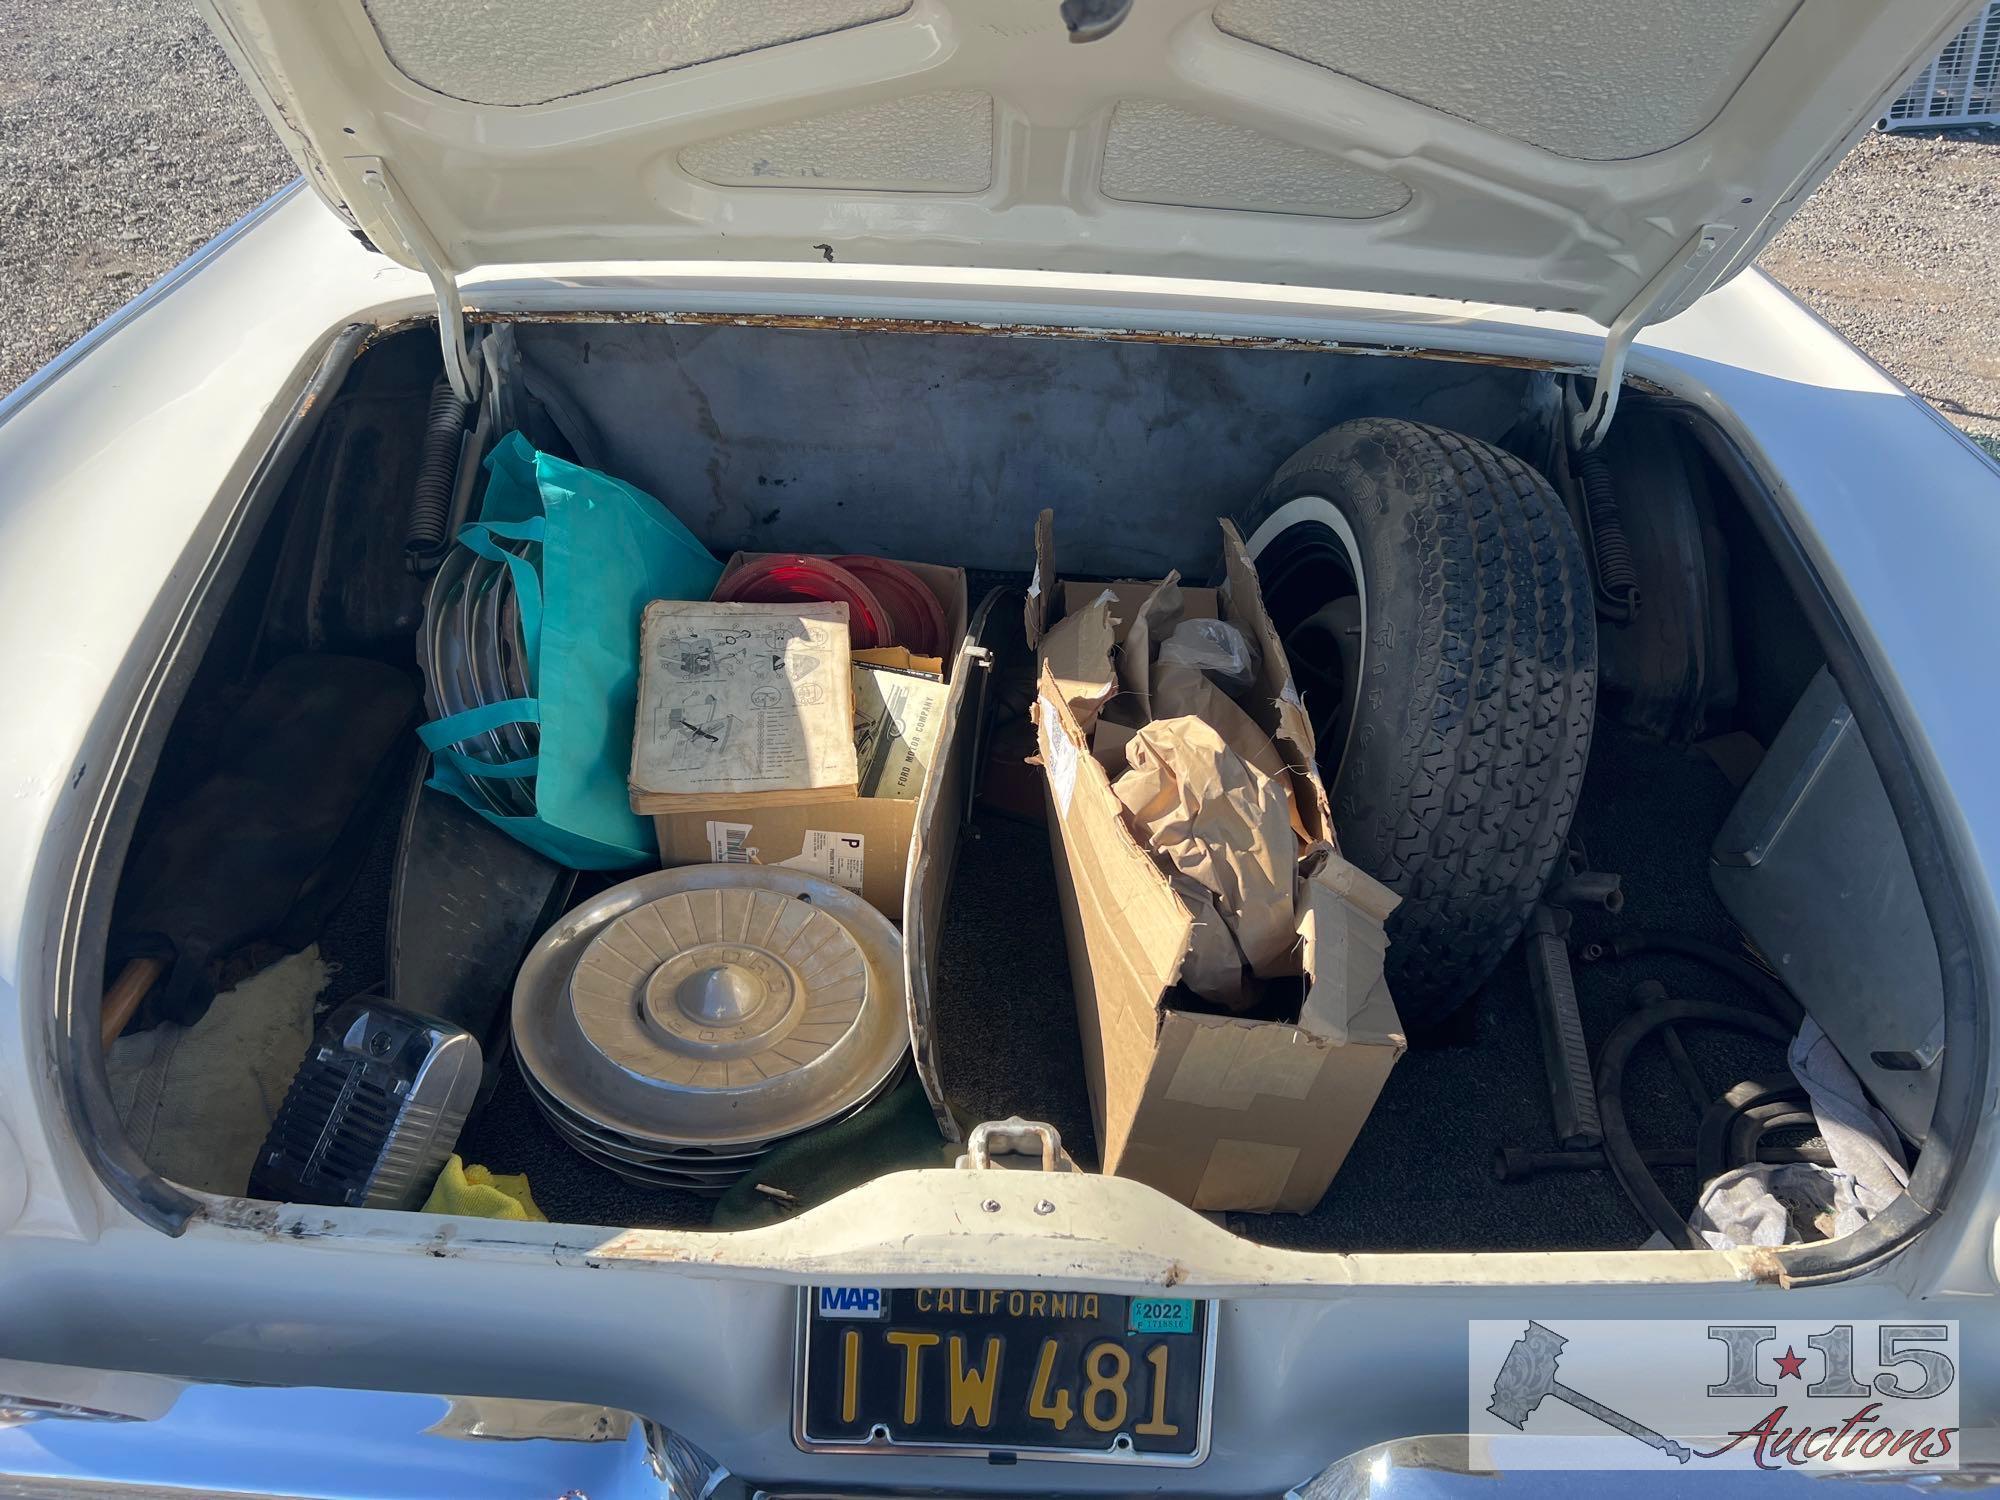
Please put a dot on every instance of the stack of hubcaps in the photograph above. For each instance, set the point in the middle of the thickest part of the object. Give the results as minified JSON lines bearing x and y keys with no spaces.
{"x":473,"y":652}
{"x":681,"y":1024}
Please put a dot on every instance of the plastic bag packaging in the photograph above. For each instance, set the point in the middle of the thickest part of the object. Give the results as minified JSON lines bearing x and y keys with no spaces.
{"x":600,"y":551}
{"x":1215,"y":647}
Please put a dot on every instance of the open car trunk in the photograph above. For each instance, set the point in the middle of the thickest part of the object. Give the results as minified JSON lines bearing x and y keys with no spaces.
{"x":942,"y":447}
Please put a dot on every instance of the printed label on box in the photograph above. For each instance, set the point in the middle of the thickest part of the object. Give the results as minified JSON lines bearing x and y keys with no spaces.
{"x":728,"y":844}
{"x":838,"y":857}
{"x":1060,"y":758}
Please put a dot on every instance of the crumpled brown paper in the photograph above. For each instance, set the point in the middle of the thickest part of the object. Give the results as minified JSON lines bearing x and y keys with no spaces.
{"x":1155,"y":619}
{"x":1180,"y":691}
{"x":1213,"y":965}
{"x":1218,"y":821}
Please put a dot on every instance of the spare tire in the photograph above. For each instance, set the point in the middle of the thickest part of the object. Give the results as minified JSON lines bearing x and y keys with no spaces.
{"x":1433,"y":599}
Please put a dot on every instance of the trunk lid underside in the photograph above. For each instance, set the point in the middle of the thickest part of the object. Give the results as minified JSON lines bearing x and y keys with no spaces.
{"x":1615,"y":160}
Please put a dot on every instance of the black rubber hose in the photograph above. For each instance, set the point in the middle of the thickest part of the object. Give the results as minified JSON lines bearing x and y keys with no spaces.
{"x":1765,"y":985}
{"x":1627,"y":1162}
{"x":437,"y":474}
{"x":1617,"y":574}
{"x":1714,"y":1140}
{"x":1746,"y":1136}
{"x":1513,"y":1164}
{"x":1651,"y":992}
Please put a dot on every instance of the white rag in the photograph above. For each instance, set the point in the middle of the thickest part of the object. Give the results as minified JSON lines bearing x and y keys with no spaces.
{"x":1763,"y":1204}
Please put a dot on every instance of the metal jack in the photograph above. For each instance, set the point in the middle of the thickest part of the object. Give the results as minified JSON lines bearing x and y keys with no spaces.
{"x":1572,"y":1094}
{"x":1572,"y":1091}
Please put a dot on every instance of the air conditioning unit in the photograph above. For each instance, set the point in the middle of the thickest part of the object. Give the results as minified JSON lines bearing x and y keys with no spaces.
{"x":1961,"y":86}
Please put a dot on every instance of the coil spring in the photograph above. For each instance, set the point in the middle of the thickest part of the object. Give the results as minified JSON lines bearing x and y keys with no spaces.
{"x":1617,"y":574}
{"x":437,"y":472}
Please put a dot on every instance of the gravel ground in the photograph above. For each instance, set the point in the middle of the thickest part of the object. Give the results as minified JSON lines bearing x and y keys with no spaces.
{"x":127,"y":141}
{"x":1900,"y":250}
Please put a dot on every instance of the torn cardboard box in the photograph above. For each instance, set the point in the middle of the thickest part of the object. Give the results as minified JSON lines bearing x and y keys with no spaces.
{"x":1223,"y":1112}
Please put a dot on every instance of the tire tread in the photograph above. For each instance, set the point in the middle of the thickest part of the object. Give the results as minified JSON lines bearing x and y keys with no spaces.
{"x":1502,"y":688}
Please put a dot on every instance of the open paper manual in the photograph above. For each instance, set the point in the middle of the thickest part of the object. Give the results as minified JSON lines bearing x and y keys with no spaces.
{"x":742,"y":701}
{"x":898,"y":721}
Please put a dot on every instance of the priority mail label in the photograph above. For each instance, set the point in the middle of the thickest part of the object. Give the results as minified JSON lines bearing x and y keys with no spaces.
{"x":852,"y":1302}
{"x":839,"y":857}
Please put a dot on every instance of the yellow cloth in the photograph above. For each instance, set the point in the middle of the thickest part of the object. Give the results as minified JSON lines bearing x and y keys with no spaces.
{"x":480,"y":1194}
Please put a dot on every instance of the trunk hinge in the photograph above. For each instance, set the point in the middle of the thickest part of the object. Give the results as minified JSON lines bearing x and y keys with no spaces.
{"x":1655,"y":301}
{"x":460,"y":367}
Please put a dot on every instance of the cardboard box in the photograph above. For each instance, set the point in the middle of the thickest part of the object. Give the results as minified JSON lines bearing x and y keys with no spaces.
{"x":862,"y":843}
{"x":1221,"y":1112}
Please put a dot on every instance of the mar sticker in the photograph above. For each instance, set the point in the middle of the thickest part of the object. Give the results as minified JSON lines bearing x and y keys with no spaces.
{"x":851,"y":1302}
{"x":1160,"y":1315}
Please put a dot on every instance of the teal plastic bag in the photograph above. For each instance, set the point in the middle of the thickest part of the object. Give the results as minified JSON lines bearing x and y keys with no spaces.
{"x":607,"y":550}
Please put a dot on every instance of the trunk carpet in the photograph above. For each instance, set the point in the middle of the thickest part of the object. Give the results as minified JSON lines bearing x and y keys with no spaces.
{"x":1420,"y":1176}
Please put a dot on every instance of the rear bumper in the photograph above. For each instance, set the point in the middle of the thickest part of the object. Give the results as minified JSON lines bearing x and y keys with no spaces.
{"x":89,"y":1433}
{"x":83,"y":1433}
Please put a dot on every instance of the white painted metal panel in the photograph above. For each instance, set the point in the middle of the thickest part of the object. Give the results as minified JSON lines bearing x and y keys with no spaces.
{"x":1572,"y":155}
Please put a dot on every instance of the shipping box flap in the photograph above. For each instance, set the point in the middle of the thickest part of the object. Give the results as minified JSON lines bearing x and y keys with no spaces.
{"x":899,"y":659}
{"x":1134,"y":929}
{"x":1042,"y":583}
{"x":1274,"y":700}
{"x":1076,"y":654}
{"x":1142,"y":916}
{"x":1347,"y":1001}
{"x":1140,"y":634}
{"x":1129,"y":596}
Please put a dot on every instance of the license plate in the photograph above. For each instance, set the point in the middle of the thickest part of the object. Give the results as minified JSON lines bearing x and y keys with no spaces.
{"x":1079,"y":1375}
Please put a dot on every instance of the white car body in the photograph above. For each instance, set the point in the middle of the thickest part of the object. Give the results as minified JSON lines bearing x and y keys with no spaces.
{"x":127,"y":465}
